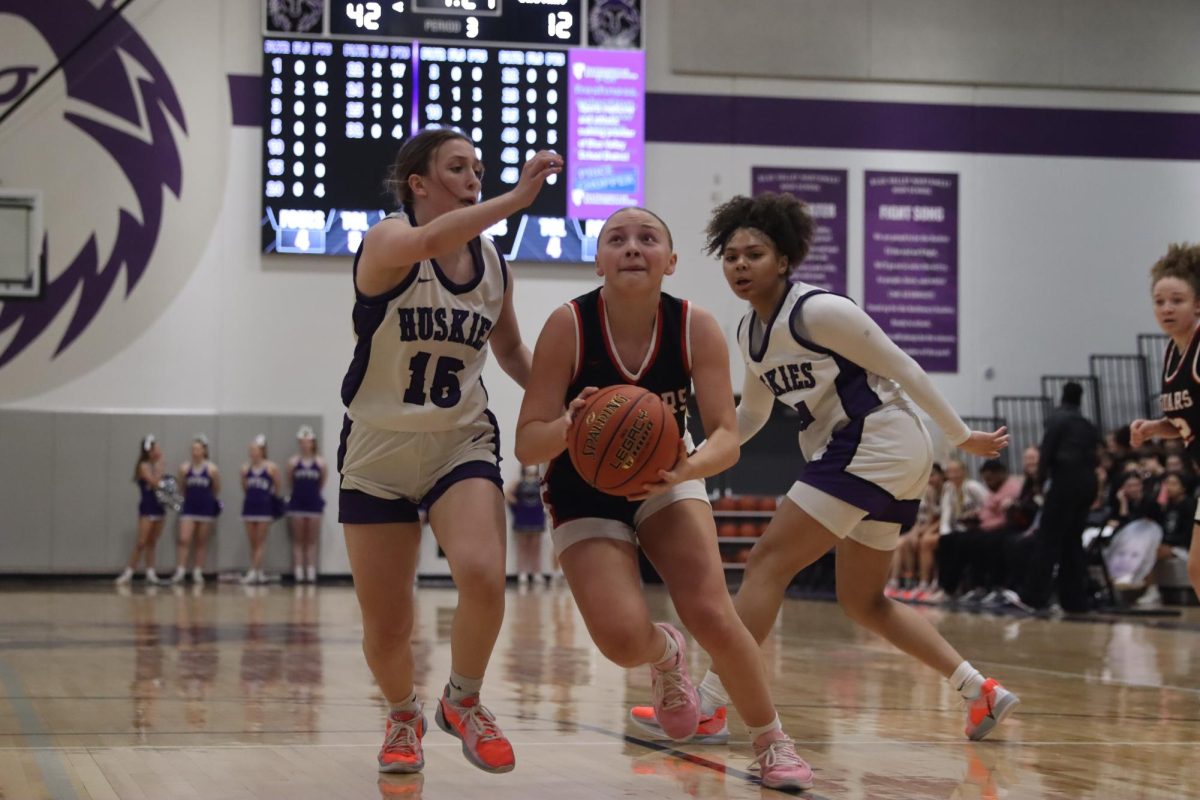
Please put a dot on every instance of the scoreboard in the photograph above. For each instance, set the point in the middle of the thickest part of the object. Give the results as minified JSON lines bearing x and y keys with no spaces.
{"x":345,"y":85}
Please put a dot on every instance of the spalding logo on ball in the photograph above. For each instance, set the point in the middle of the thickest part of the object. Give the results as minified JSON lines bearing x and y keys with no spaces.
{"x":622,"y":438}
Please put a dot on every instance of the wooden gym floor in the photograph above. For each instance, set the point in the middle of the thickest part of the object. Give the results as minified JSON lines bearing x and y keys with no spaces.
{"x":263,"y":693}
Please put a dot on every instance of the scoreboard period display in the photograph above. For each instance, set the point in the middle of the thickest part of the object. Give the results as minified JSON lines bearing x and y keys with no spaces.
{"x":345,"y":83}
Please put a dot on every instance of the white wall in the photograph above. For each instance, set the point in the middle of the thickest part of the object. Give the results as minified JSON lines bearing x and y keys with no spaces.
{"x":1053,"y":258}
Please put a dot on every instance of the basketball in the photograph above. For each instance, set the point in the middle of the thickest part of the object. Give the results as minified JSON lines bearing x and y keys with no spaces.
{"x":622,"y":438}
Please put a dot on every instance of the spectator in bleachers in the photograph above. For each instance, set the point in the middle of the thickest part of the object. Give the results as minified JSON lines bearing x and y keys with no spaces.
{"x":1101,"y":509}
{"x":1003,"y":492}
{"x":1152,"y":464}
{"x":913,"y":561}
{"x":1117,"y":442}
{"x":1176,"y":462}
{"x":1133,"y":502}
{"x":1067,"y":466}
{"x":1128,"y":555}
{"x":1178,"y":512}
{"x":1017,"y":547}
{"x":983,"y":549}
{"x":1177,"y":521}
{"x":962,"y":499}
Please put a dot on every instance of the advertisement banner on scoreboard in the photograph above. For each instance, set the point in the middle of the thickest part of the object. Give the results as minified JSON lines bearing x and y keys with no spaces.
{"x":606,"y":131}
{"x":824,"y":190}
{"x":910,"y":284}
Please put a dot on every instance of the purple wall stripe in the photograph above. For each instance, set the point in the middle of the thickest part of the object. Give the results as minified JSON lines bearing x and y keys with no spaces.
{"x":1002,"y":130}
{"x":858,"y":125}
{"x":246,"y":100}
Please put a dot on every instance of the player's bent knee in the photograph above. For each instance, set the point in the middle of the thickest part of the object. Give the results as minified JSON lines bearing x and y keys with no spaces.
{"x":385,"y":638}
{"x":619,"y":647}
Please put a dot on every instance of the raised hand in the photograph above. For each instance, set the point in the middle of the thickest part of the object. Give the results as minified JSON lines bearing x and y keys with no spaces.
{"x":987,"y":445}
{"x":533,"y":175}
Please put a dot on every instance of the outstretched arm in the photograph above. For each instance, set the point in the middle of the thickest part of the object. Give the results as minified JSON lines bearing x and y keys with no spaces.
{"x":393,"y":246}
{"x":837,"y":324}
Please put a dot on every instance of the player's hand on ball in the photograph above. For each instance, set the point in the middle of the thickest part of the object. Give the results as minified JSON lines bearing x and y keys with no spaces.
{"x":576,"y":406}
{"x":987,"y":445}
{"x":668,"y":477}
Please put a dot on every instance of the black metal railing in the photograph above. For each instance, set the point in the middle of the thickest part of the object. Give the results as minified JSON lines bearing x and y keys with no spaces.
{"x":1152,"y":347}
{"x":1124,"y":395}
{"x":1026,"y":418}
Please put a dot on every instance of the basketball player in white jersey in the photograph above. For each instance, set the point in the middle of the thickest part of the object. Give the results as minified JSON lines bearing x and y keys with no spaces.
{"x":867,"y":455}
{"x":431,"y":294}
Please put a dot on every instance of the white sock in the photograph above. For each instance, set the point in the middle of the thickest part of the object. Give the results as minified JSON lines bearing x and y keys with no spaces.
{"x":670,"y":654}
{"x":460,"y":686}
{"x":312,"y":574}
{"x":405,"y":706}
{"x":773,"y":725}
{"x":712,"y":693}
{"x":966,"y":680}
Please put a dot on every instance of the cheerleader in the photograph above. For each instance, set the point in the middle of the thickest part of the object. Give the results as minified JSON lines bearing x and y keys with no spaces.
{"x":260,"y":482}
{"x":147,"y":475}
{"x":201,"y":484}
{"x":306,"y":477}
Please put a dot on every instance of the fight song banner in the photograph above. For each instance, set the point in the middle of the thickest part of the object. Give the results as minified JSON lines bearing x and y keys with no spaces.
{"x":825,"y":192}
{"x":910,"y":282}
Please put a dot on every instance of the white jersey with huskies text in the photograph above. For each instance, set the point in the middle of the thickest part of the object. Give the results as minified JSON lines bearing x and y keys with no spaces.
{"x":422,"y":346}
{"x":826,"y":390}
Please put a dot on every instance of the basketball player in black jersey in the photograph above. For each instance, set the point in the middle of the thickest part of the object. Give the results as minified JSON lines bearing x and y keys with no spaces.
{"x":1175,"y":291}
{"x":630,"y":332}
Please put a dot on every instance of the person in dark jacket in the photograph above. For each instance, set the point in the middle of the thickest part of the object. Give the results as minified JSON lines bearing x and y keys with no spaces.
{"x":1067,"y":469}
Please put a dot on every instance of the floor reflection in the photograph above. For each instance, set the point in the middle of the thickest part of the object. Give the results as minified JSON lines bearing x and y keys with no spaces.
{"x":264,"y":692}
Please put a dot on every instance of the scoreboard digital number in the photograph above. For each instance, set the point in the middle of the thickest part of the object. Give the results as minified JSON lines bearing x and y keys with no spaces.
{"x":549,"y":22}
{"x":339,"y":107}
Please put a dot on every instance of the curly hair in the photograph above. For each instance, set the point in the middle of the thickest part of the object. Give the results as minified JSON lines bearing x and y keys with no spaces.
{"x":1181,"y":261}
{"x":414,"y":158}
{"x":780,"y":217}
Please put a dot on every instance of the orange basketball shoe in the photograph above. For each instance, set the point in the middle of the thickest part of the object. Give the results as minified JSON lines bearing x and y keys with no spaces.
{"x":989,"y":709}
{"x":712,"y":729}
{"x":482,"y":742}
{"x":401,"y":751}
